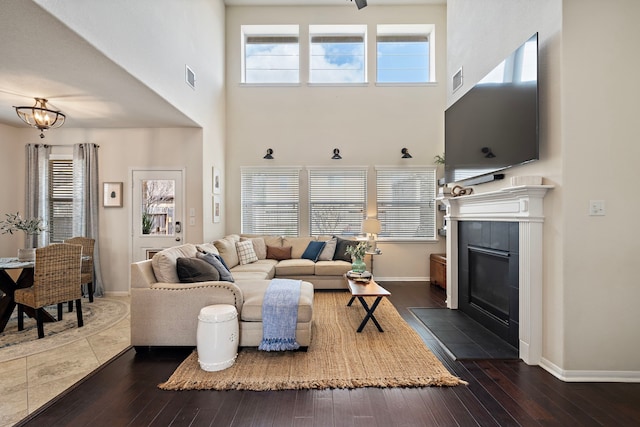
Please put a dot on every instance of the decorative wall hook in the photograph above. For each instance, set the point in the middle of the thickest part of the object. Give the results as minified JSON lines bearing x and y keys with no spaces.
{"x":336,"y":154}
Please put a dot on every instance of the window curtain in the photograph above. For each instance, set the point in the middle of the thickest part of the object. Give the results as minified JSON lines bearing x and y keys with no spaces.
{"x":86,"y":199}
{"x":37,"y":189}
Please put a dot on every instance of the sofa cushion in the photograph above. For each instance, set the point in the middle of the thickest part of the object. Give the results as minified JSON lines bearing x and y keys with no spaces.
{"x":267,"y":267}
{"x":227,"y":250}
{"x":253,"y":293}
{"x":216,"y":261}
{"x":164,"y":262}
{"x":313,"y":251}
{"x":294,"y":267}
{"x":278,"y":253}
{"x":259,"y":246}
{"x":328,"y":250}
{"x":246,"y":254}
{"x":298,"y":244}
{"x":332,"y":268}
{"x":193,"y":270}
{"x":341,"y":247}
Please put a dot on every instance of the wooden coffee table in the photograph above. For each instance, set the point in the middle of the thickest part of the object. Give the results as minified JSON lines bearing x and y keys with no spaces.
{"x":370,"y":289}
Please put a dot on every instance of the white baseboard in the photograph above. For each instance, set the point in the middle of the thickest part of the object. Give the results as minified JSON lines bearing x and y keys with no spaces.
{"x":401,"y":279}
{"x":590,"y":376}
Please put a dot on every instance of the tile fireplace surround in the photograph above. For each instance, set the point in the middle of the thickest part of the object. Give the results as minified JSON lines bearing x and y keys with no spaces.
{"x":524,"y":205}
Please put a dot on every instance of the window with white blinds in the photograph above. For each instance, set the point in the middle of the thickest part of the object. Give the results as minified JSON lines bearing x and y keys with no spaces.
{"x":406,"y":203}
{"x":60,"y":200}
{"x":337,"y":201}
{"x":270,"y":201}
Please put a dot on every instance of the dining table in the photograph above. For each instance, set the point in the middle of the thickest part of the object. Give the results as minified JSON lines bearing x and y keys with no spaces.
{"x":8,"y":286}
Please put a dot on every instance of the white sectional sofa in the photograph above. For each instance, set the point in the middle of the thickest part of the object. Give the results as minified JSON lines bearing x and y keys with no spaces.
{"x":164,"y":311}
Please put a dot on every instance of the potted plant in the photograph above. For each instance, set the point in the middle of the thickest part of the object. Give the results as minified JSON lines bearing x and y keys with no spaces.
{"x":357,"y":253}
{"x":30,"y":226}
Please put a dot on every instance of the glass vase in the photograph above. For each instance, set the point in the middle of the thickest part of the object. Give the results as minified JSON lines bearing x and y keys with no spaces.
{"x":358,"y":265}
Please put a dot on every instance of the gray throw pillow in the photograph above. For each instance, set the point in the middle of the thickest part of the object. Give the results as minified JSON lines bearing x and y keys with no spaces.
{"x":328,"y":250}
{"x":225,"y":274}
{"x":192,"y":270}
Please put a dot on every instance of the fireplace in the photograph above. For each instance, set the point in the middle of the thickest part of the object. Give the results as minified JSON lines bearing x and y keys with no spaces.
{"x":522,"y":207}
{"x":488,"y":276}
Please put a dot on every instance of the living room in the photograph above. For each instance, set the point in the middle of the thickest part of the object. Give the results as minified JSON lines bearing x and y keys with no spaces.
{"x":590,"y":323}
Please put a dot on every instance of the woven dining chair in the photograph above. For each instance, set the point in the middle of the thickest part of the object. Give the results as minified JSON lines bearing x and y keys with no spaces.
{"x":56,"y":280}
{"x":87,"y":263}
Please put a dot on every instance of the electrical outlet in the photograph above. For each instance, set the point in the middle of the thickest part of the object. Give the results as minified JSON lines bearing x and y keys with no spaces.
{"x":596,"y":207}
{"x":192,"y":221}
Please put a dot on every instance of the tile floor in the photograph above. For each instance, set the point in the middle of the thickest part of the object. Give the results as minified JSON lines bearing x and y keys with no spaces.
{"x":29,"y":382}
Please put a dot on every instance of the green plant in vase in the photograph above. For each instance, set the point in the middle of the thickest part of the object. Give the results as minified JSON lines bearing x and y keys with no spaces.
{"x":357,"y":253}
{"x":30,"y":226}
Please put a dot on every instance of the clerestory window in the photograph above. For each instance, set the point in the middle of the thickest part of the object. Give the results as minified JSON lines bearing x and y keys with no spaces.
{"x":405,"y":53}
{"x":337,"y":54}
{"x":270,"y":54}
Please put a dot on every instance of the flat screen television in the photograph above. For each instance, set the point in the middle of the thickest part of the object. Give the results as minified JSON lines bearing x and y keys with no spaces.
{"x":495,"y":124}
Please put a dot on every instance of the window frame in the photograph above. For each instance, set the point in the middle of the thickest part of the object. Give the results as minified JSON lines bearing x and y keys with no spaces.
{"x":408,"y":30}
{"x":290,"y":177}
{"x":428,"y":203}
{"x":268,"y":32}
{"x":338,"y":31}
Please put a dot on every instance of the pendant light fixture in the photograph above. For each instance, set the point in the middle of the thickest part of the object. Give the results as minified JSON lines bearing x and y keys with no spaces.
{"x":40,"y":116}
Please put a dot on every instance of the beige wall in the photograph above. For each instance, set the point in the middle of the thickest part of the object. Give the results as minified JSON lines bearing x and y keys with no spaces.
{"x":590,"y":329}
{"x":600,"y":136}
{"x":302,"y":124}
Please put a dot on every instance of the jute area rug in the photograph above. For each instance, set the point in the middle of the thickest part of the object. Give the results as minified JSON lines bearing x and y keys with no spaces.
{"x":98,"y":315}
{"x":338,"y":356}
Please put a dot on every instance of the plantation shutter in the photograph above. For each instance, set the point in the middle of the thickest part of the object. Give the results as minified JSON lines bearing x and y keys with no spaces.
{"x":406,"y":203}
{"x":270,"y":201}
{"x":337,"y":201}
{"x":60,"y":200}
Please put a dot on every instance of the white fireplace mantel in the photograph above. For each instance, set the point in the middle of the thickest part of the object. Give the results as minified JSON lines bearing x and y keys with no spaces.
{"x":522,"y":204}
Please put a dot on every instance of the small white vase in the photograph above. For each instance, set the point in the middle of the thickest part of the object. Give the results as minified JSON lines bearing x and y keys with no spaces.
{"x":27,"y":254}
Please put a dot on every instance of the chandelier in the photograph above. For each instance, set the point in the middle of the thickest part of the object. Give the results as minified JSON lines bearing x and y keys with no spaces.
{"x":41,"y":117}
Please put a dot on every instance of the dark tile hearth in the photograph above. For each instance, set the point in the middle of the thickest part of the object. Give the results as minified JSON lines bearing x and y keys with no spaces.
{"x":462,"y":336}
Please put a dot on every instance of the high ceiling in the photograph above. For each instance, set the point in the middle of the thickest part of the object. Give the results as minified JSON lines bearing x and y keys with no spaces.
{"x":43,"y":58}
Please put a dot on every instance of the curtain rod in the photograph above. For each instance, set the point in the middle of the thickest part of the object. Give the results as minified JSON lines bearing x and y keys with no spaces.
{"x":61,"y":145}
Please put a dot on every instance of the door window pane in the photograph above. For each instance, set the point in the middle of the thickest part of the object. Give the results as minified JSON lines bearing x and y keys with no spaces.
{"x":158,"y":207}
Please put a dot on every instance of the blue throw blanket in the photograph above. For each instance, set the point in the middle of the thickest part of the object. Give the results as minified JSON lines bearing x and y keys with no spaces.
{"x":280,"y":315}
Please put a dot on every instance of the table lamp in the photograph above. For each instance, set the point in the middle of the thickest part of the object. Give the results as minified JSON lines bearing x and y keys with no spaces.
{"x":371,"y":226}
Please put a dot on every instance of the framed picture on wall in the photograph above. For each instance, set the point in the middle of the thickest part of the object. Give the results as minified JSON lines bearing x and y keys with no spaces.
{"x":217,"y":209}
{"x":112,"y":195}
{"x":216,"y":184}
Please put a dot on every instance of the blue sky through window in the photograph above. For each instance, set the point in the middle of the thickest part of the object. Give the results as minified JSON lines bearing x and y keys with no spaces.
{"x":403,"y":62}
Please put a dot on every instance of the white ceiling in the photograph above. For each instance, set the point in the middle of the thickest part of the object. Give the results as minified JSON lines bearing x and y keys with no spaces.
{"x":43,"y":58}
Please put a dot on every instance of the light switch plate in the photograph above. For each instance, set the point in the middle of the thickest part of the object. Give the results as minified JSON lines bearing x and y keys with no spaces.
{"x":596,"y":207}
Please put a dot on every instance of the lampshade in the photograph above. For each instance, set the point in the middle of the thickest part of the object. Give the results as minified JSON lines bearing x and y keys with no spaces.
{"x":41,"y":117}
{"x":371,"y":225}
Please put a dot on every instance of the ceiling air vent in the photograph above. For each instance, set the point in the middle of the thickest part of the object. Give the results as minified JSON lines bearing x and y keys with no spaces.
{"x":457,"y":80}
{"x":190,"y":77}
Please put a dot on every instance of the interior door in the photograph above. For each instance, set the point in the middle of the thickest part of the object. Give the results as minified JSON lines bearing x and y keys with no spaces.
{"x":158,"y":211}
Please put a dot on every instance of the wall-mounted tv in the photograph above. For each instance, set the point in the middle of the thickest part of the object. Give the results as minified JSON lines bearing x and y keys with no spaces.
{"x":495,"y":124}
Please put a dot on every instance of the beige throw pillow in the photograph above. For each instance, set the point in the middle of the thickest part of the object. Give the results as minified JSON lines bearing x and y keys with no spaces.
{"x":246,"y":254}
{"x":259,"y":246}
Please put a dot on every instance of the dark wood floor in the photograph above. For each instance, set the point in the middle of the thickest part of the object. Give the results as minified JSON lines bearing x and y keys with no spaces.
{"x":500,"y":393}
